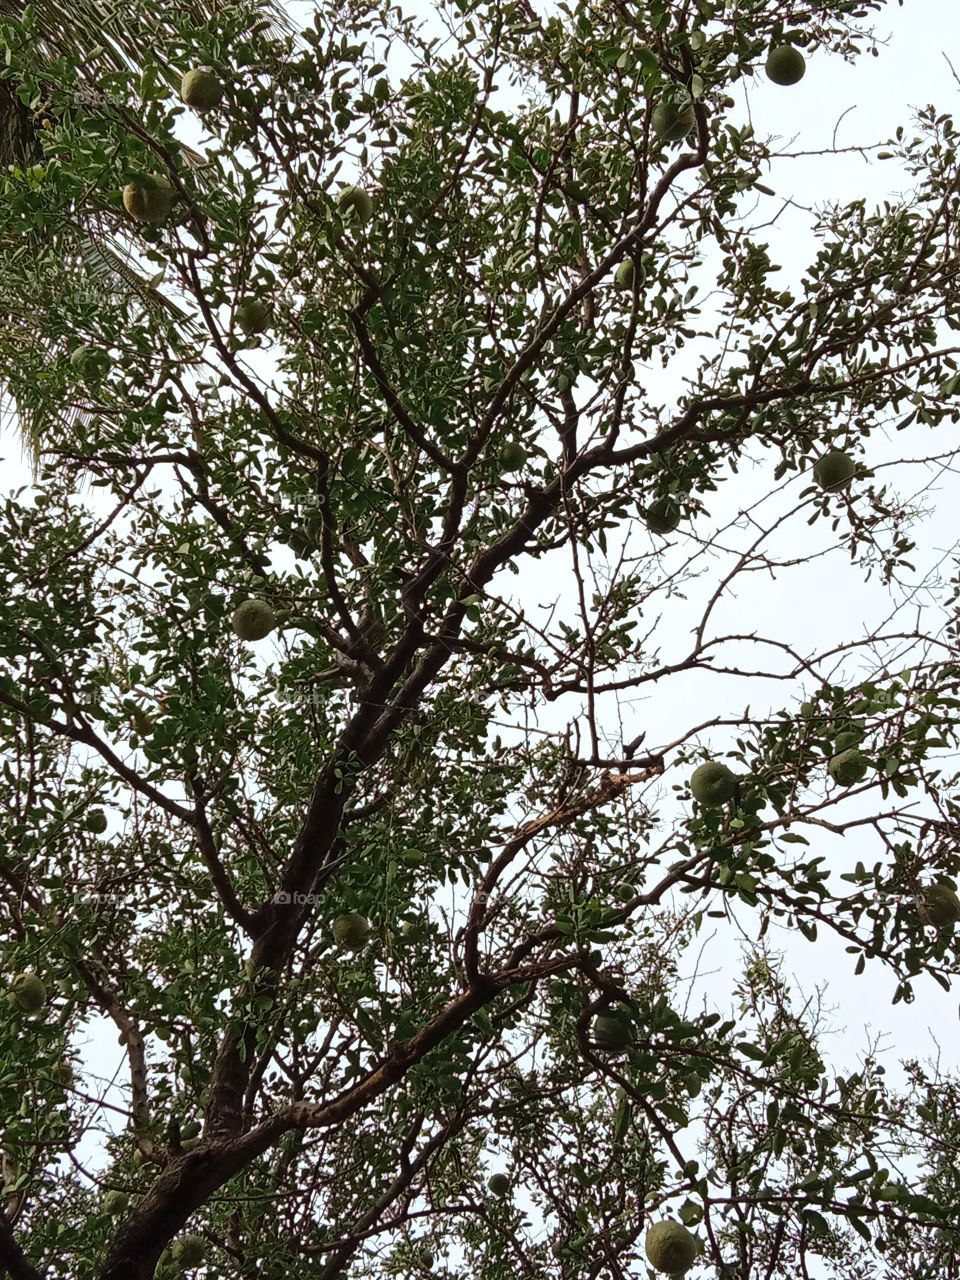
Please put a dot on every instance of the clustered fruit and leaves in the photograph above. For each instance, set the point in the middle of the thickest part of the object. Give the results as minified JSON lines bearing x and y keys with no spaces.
{"x":393,"y":962}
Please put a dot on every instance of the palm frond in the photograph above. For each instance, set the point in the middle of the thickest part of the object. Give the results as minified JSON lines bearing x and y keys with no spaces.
{"x":100,"y":38}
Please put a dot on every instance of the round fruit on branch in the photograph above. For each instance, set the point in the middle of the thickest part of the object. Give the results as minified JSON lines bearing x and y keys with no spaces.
{"x":115,"y":1202}
{"x":670,"y":1247}
{"x":512,"y":456}
{"x":96,"y":822}
{"x":785,"y":65}
{"x":939,"y":905}
{"x":189,"y":1252}
{"x":626,"y":272}
{"x":27,"y":993}
{"x":201,"y":89}
{"x":713,"y":784}
{"x":253,"y":620}
{"x":148,"y":198}
{"x":252,"y":316}
{"x":835,"y":470}
{"x":613,"y":1029}
{"x":848,"y":767}
{"x":672,"y":123}
{"x":351,"y":931}
{"x":663,"y":516}
{"x":355,"y":205}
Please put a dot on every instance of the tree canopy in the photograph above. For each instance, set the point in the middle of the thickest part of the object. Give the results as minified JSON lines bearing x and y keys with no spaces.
{"x":377,"y":417}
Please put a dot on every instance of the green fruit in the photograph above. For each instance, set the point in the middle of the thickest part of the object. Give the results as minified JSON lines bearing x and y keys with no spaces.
{"x":785,"y":65}
{"x":713,"y":784}
{"x":188,"y":1144}
{"x":253,"y":620}
{"x":142,"y":722}
{"x":351,"y":931}
{"x":115,"y":1202}
{"x":190,"y":1251}
{"x":848,"y":737}
{"x":512,"y":456}
{"x":253,"y":316}
{"x":612,"y":1030}
{"x":427,"y":1259}
{"x":670,"y":1248}
{"x":201,"y":90}
{"x":939,"y":906}
{"x":671,"y":123}
{"x":835,"y":470}
{"x":625,"y":274}
{"x":848,"y":767}
{"x":499,"y":1184}
{"x":96,"y":822}
{"x":663,"y":516}
{"x":149,"y":199}
{"x":27,"y":993}
{"x":62,"y":1074}
{"x":139,"y":1157}
{"x":355,"y":204}
{"x":191,"y":1129}
{"x":89,"y":362}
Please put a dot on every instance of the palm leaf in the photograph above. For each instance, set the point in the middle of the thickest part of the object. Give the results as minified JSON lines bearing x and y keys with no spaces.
{"x":100,"y":39}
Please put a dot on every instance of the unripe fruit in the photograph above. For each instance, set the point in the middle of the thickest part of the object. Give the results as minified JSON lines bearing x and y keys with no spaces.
{"x":663,"y":516}
{"x":499,"y":1184}
{"x":115,"y":1202}
{"x":785,"y":65}
{"x":355,"y":204}
{"x":96,"y":822}
{"x":512,"y":456}
{"x":142,"y":722}
{"x":190,"y":1251}
{"x":939,"y":906}
{"x":253,"y":316}
{"x":671,"y":123}
{"x":90,"y":363}
{"x":62,"y":1074}
{"x":713,"y":784}
{"x":27,"y":993}
{"x":612,"y":1030}
{"x":149,"y":199}
{"x":670,"y":1248}
{"x":835,"y":470}
{"x":848,"y":767}
{"x":201,"y":90}
{"x":253,"y":620}
{"x":351,"y":931}
{"x":625,"y":274}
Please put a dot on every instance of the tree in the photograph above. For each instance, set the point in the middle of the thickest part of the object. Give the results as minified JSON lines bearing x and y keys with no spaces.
{"x":100,"y":49}
{"x":376,"y":866}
